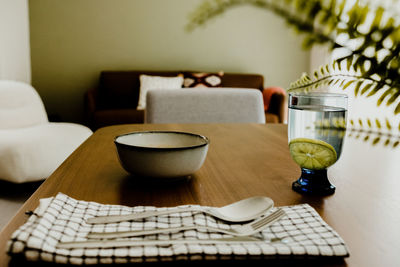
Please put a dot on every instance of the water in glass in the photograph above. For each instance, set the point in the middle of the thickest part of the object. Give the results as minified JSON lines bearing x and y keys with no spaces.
{"x":316,"y":130}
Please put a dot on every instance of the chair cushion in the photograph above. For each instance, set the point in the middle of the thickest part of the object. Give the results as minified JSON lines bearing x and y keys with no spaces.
{"x":33,"y":153}
{"x":148,"y":82}
{"x":120,"y":89}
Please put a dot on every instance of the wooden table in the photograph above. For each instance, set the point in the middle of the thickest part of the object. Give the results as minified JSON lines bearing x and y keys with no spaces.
{"x":246,"y":160}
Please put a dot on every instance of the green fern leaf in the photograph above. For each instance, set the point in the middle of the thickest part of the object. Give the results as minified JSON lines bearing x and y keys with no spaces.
{"x":395,"y":144}
{"x":378,"y":124}
{"x":352,"y":13}
{"x":300,"y":4}
{"x":393,"y":97}
{"x":390,"y":23}
{"x":322,"y":21}
{"x":308,"y":42}
{"x":378,"y":17}
{"x":363,"y":14}
{"x":337,"y":81}
{"x":387,"y":142}
{"x":316,"y":76}
{"x":341,"y":8}
{"x":349,"y":64}
{"x":327,"y":69}
{"x":374,"y":90}
{"x":383,"y":96}
{"x":339,"y":66}
{"x":323,"y":18}
{"x":348,"y":84}
{"x":357,"y":87}
{"x":376,"y":140}
{"x":369,"y":123}
{"x":388,"y":125}
{"x":366,"y":88}
{"x":397,"y":109}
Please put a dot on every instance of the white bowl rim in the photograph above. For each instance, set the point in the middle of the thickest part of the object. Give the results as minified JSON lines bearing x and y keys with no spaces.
{"x":205,"y":139}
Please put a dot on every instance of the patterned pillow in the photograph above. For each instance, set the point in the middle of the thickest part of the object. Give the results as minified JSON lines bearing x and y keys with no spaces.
{"x":203,"y":79}
{"x":148,"y":82}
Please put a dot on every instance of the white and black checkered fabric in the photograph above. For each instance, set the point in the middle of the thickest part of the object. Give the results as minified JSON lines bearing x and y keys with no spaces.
{"x":62,"y":218}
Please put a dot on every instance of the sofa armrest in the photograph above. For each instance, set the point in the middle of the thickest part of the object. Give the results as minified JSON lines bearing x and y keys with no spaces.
{"x":102,"y":118}
{"x":275,"y":102}
{"x":90,"y":106}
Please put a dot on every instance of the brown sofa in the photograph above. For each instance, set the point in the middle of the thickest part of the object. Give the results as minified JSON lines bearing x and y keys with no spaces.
{"x":115,"y":99}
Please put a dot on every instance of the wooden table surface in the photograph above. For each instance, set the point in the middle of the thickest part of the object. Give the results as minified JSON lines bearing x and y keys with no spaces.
{"x":246,"y":160}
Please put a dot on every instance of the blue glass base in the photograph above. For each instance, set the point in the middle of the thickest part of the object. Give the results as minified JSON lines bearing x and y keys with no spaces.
{"x":314,"y":182}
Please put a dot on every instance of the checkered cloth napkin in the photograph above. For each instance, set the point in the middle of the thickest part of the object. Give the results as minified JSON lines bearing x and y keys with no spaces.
{"x":62,"y":219}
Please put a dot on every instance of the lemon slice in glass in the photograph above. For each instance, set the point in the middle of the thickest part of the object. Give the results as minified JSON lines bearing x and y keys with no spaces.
{"x":312,"y":154}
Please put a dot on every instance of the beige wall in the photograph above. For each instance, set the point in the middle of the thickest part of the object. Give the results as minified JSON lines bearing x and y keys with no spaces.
{"x":15,"y":60}
{"x":72,"y":41}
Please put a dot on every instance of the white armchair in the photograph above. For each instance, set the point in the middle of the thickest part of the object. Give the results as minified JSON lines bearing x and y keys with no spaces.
{"x":31,"y":147}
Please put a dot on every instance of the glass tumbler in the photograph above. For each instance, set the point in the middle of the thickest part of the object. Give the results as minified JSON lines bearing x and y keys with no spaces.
{"x":316,"y":130}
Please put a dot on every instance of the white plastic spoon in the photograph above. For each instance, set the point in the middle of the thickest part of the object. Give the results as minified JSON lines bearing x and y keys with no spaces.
{"x":241,"y":211}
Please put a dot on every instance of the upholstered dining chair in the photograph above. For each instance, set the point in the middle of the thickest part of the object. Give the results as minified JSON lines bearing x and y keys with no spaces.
{"x":31,"y":147}
{"x":213,"y":105}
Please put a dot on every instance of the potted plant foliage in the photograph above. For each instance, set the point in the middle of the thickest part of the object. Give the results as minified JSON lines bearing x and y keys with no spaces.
{"x":366,"y":32}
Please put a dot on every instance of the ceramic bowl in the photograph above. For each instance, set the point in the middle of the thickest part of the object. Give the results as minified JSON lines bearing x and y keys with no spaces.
{"x":161,"y":154}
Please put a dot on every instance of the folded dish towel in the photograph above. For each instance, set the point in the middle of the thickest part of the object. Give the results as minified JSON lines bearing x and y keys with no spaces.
{"x":302,"y":233}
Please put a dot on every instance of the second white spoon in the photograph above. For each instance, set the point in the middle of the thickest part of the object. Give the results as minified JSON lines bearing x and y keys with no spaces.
{"x":241,"y":211}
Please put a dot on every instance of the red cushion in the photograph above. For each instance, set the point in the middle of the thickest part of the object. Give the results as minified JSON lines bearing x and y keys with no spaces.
{"x":268,"y":92}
